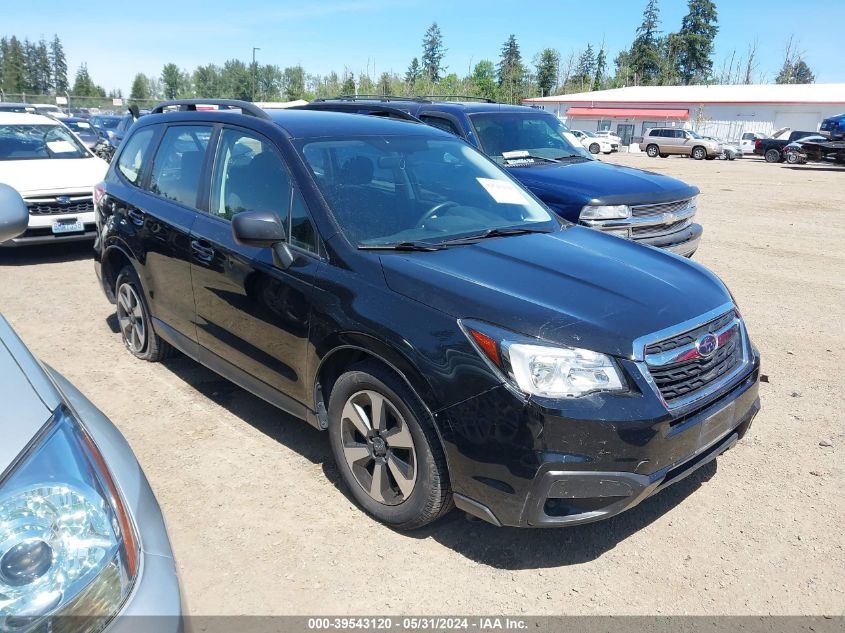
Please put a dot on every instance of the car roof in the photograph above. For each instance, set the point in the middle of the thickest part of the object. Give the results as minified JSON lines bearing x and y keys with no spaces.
{"x":316,"y":123}
{"x":469,"y":107}
{"x":25,"y":118}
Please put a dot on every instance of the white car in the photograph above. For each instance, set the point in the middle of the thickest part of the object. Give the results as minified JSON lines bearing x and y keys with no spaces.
{"x":50,"y":110}
{"x":595,"y":144}
{"x":610,"y":136}
{"x":54,"y":173}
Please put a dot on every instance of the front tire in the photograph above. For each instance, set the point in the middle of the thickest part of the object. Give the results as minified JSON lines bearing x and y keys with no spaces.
{"x":386,"y":449}
{"x":133,"y":318}
{"x":699,"y":153}
{"x":653,"y":151}
{"x":594,"y":148}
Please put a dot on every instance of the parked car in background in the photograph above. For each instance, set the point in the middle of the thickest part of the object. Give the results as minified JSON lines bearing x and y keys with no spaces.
{"x":610,"y":136}
{"x":83,"y":129}
{"x":81,"y":533}
{"x":665,"y":141}
{"x":104,"y":122}
{"x":833,"y":127}
{"x":772,"y":148}
{"x":595,"y":144}
{"x":730,"y":151}
{"x":795,"y":153}
{"x":747,"y":140}
{"x":49,"y":109}
{"x":54,"y":172}
{"x":385,"y":281}
{"x":539,"y":151}
{"x":8,"y":106}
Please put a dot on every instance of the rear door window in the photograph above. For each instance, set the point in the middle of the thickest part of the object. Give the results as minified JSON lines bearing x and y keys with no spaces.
{"x":178,"y":163}
{"x":441,"y":123}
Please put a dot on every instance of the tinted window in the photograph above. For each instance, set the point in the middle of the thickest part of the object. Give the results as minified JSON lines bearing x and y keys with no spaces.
{"x":302,"y":233}
{"x":178,"y":163}
{"x":131,"y":160}
{"x":539,"y":134}
{"x":679,"y":134}
{"x":440,"y":123}
{"x":248,"y":176}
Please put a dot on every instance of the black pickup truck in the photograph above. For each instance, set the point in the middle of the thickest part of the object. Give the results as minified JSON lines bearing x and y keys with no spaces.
{"x":772,"y":148}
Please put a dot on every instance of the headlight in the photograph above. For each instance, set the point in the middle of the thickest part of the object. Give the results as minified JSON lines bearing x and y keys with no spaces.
{"x":544,"y":370}
{"x":606,"y":212}
{"x":67,"y":546}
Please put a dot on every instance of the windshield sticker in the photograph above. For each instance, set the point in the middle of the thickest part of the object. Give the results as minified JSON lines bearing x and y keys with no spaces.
{"x":61,"y":147}
{"x":503,"y":191}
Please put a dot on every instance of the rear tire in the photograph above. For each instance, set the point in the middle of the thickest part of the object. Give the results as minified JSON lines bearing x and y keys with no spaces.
{"x":773,"y":156}
{"x":699,"y":153}
{"x":133,"y":317}
{"x":386,"y":449}
{"x":594,"y":148}
{"x":653,"y":151}
{"x":792,"y":158}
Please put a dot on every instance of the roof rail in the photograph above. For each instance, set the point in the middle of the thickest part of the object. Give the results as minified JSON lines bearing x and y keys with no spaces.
{"x":373,"y":109}
{"x":373,"y":98}
{"x":458,"y":98}
{"x":190,"y":105}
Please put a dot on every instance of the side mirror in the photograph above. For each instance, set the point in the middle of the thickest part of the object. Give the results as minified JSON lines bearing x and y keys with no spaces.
{"x":14,"y":215}
{"x":262,"y":229}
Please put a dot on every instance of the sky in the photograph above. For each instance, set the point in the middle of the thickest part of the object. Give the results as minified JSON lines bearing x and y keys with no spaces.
{"x":118,"y":39}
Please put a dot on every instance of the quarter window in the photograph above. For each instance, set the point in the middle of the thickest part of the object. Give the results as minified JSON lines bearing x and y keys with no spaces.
{"x":440,"y":123}
{"x":131,"y":161}
{"x":178,"y":163}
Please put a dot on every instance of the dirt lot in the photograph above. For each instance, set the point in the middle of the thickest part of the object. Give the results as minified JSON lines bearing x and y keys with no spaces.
{"x":260,"y":523}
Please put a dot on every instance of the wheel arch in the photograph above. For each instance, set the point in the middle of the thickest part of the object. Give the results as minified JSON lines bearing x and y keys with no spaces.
{"x":113,"y":260}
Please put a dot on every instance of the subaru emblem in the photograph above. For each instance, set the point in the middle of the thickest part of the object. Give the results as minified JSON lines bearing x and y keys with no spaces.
{"x":707,"y":345}
{"x":63,"y":200}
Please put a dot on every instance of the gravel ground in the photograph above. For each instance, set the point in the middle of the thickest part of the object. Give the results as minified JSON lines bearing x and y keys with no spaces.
{"x":260,"y":522}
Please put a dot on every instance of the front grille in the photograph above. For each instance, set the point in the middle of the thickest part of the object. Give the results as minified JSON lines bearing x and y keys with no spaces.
{"x":646,"y":210}
{"x":659,"y":229}
{"x":53,"y":207}
{"x":693,"y":374}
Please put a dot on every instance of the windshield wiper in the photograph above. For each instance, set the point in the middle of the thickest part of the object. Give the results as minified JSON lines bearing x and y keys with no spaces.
{"x":400,"y":246}
{"x":516,"y":230}
{"x":524,"y":157}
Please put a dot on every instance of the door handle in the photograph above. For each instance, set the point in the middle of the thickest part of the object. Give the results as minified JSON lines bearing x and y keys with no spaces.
{"x":203,"y":252}
{"x":136,"y":216}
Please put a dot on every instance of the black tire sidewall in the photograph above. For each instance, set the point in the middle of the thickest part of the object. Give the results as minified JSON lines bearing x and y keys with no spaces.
{"x":129,"y":276}
{"x":652,"y":151}
{"x":698,"y":153}
{"x":413,"y":511}
{"x":595,"y":148}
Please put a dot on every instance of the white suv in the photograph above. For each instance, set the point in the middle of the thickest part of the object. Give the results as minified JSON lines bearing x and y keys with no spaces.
{"x":54,"y":173}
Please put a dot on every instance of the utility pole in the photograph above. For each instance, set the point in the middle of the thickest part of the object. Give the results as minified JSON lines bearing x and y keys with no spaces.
{"x":254,"y":48}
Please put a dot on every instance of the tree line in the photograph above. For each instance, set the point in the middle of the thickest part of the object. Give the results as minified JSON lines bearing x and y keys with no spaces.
{"x":654,"y":57}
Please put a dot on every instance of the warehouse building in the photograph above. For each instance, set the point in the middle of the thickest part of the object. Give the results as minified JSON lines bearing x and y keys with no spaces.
{"x":721,"y":111}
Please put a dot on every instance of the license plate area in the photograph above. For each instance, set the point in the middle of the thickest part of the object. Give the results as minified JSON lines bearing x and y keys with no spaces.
{"x":717,"y":425}
{"x":71,"y":225}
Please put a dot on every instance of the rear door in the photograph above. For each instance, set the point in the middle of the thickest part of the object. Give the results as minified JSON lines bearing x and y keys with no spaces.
{"x":252,"y":317}
{"x":164,"y":218}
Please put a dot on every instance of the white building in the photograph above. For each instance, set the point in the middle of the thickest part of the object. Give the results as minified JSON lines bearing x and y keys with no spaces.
{"x":721,"y":111}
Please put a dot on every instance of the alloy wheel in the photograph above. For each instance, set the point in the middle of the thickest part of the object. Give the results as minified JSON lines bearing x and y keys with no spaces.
{"x":378,"y":447}
{"x":130,"y":317}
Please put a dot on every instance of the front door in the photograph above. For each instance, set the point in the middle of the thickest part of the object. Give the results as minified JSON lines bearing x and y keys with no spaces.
{"x":251,"y":314}
{"x":625,"y":131}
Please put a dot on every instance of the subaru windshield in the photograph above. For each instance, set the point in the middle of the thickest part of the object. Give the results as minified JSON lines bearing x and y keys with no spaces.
{"x":508,"y":137}
{"x":28,"y":142}
{"x":419,"y":193}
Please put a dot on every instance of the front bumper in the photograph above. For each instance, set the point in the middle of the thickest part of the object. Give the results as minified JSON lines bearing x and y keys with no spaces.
{"x":155,"y":598}
{"x":524,"y":464}
{"x":40,"y":230}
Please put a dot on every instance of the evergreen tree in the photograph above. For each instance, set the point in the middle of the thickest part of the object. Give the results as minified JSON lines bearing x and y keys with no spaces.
{"x":644,"y":56}
{"x":384,"y":84}
{"x":601,"y":65}
{"x":236,"y":80}
{"x":511,"y":72}
{"x":83,"y":86}
{"x":622,"y":63}
{"x":348,"y":87}
{"x":43,"y":68}
{"x":547,"y":71}
{"x":14,"y":67}
{"x":586,"y":69}
{"x":795,"y":72}
{"x":693,"y":44}
{"x":484,"y":79}
{"x":413,"y":72}
{"x":433,"y":53}
{"x":140,"y":88}
{"x":170,"y":80}
{"x":59,"y":66}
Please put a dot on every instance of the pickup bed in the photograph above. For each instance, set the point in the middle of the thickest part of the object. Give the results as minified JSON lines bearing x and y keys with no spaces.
{"x":772,"y":148}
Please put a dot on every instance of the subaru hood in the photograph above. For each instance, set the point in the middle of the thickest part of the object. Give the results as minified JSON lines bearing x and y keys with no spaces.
{"x":595,"y":182}
{"x":574,"y":287}
{"x":53,"y":175}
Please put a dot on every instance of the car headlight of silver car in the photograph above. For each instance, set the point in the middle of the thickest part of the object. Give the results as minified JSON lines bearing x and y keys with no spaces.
{"x":67,"y":544}
{"x":605,"y":212}
{"x":540,"y":369}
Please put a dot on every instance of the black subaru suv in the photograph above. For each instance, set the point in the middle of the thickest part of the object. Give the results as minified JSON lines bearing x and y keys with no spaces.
{"x":540,"y":152}
{"x":391,"y":284}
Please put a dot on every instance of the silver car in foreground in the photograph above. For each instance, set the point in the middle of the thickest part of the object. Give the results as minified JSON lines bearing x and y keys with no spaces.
{"x":83,"y":545}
